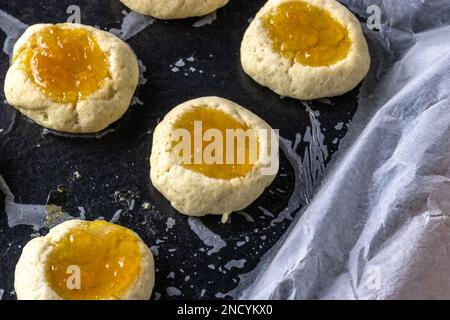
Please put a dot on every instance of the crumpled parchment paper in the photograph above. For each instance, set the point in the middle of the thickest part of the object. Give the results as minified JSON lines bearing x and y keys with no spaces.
{"x":378,"y":226}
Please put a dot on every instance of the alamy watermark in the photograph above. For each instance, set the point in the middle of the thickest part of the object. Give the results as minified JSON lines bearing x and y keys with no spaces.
{"x":73,"y":281}
{"x":374,"y":20}
{"x":235,"y":147}
{"x":75,"y":14}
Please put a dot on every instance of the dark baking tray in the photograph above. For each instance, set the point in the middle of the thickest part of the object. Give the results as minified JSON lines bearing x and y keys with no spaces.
{"x":114,"y":168}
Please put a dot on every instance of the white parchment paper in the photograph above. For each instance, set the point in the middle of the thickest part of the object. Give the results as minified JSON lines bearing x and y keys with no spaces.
{"x":378,"y":226}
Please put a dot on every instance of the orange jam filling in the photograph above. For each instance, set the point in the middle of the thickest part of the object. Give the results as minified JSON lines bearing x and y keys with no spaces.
{"x":93,"y":261}
{"x":66,"y":64}
{"x":212,"y":118}
{"x":307,"y":34}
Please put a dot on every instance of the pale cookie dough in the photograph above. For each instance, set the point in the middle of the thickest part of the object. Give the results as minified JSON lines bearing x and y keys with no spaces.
{"x":174,"y":9}
{"x":31,"y":279}
{"x":195,"y":194}
{"x":289,"y":78}
{"x":98,"y":110}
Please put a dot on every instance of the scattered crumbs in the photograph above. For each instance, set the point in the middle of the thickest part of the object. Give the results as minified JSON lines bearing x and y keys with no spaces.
{"x":171,"y":276}
{"x":35,"y":235}
{"x":170,"y":223}
{"x":172,"y":291}
{"x":146,"y":205}
{"x":1,"y":130}
{"x":335,"y":141}
{"x":172,"y":250}
{"x":255,"y":230}
{"x":267,"y":212}
{"x":211,"y":266}
{"x":100,"y":218}
{"x":136,"y":101}
{"x":190,"y":59}
{"x":206,"y":20}
{"x":263,"y":237}
{"x":175,"y":69}
{"x":159,"y":241}
{"x":186,"y":279}
{"x":239,"y":264}
{"x":202,"y":293}
{"x":249,"y":20}
{"x":1,"y":293}
{"x":339,"y":126}
{"x":240,"y":243}
{"x":192,"y":69}
{"x":247,"y":239}
{"x":157,"y":295}
{"x":180,"y":63}
{"x":154,"y":250}
{"x":76,"y":175}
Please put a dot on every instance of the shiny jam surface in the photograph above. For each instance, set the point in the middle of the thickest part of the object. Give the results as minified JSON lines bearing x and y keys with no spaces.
{"x":107,"y":256}
{"x":307,"y":34}
{"x":66,"y":64}
{"x":212,"y":118}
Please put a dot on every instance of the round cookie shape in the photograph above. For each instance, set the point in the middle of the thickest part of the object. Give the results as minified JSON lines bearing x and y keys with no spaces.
{"x":81,"y":260}
{"x":305,"y":49}
{"x":71,"y":78}
{"x":174,"y":9}
{"x":217,"y":188}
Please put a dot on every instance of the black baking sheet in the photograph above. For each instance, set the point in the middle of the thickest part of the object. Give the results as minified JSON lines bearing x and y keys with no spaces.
{"x":114,"y":169}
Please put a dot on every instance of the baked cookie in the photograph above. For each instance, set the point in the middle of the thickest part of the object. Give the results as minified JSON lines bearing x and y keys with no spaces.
{"x":174,"y":9}
{"x":305,"y":49}
{"x":71,"y":77}
{"x":80,"y":260}
{"x":212,"y":156}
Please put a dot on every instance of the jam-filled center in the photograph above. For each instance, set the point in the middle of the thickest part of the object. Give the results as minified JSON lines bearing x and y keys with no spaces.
{"x":307,"y":34}
{"x":95,"y":260}
{"x":221,"y":146}
{"x":67,"y":64}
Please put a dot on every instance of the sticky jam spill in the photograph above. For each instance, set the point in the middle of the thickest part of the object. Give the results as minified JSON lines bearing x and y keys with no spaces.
{"x":212,"y":118}
{"x":107,"y":257}
{"x":307,"y":34}
{"x":65,"y":63}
